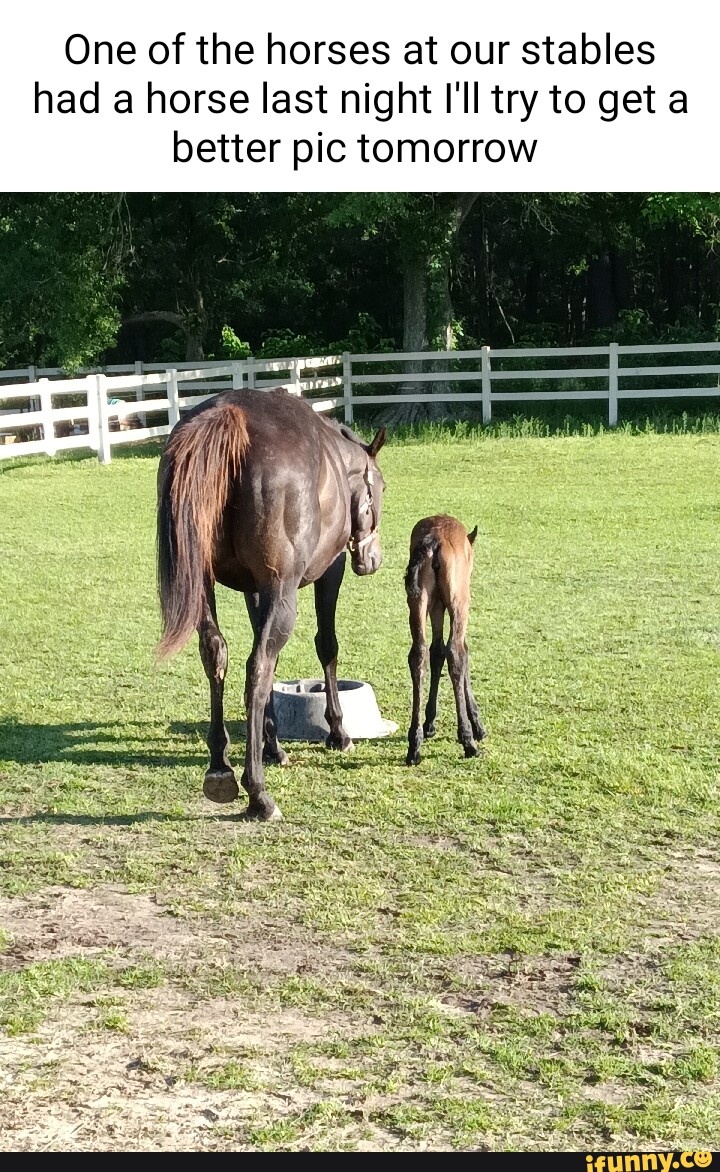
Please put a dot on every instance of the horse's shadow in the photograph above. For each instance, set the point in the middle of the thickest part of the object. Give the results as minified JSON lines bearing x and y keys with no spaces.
{"x":127,"y":743}
{"x":119,"y":743}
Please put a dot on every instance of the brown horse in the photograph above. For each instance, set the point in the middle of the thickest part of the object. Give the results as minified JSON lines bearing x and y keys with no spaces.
{"x":258,"y":492}
{"x":438,"y":580}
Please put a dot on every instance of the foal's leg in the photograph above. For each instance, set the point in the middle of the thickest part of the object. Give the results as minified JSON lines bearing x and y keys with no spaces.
{"x":276,"y":612}
{"x":220,"y":784}
{"x":417,"y":661}
{"x":479,"y":731}
{"x":438,"y":656}
{"x":457,"y":665}
{"x":273,"y":753}
{"x":327,"y":589}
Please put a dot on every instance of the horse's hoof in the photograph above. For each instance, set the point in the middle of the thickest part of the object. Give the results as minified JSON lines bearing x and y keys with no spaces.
{"x":220,"y":787}
{"x":412,"y":759}
{"x":280,"y":758}
{"x":428,"y":731}
{"x":341,"y":744}
{"x":480,"y":733}
{"x":471,"y":751}
{"x":263,"y":813}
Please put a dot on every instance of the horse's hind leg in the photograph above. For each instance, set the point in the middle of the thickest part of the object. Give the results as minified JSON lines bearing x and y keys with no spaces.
{"x":273,"y":752}
{"x":417,"y":660}
{"x":457,"y":666}
{"x":438,"y":656}
{"x":276,"y":613}
{"x":327,"y":589}
{"x":220,"y":784}
{"x":479,"y":731}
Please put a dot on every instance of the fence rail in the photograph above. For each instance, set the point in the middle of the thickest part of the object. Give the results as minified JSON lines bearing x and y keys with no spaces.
{"x":113,"y":405}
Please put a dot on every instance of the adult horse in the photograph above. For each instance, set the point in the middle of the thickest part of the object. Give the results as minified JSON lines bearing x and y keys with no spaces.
{"x":260,"y":493}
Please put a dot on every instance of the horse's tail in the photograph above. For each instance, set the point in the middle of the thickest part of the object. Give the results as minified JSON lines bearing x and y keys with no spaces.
{"x":200,"y":462}
{"x":428,"y":547}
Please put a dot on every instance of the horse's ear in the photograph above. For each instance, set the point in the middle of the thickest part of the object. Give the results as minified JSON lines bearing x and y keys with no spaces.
{"x":377,"y":443}
{"x":473,"y":535}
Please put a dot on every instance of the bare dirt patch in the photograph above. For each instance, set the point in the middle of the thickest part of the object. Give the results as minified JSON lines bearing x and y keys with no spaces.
{"x":74,"y":1085}
{"x":537,"y":984}
{"x":61,"y":922}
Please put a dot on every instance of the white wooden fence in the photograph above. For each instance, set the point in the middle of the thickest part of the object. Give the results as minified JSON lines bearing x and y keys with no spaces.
{"x":124,"y":396}
{"x":106,"y":402}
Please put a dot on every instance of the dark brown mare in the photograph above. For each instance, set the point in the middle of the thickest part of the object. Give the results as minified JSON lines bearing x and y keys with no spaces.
{"x":438,"y":580}
{"x":258,"y":492}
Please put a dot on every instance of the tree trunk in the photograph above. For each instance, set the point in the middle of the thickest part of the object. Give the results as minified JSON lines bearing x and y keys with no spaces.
{"x":415,"y":303}
{"x":602,"y":304}
{"x":414,"y":332}
{"x":460,"y":207}
{"x":532,"y":292}
{"x":195,"y":330}
{"x":415,"y":308}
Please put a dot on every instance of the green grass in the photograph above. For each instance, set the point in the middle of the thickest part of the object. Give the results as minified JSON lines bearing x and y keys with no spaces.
{"x":515,"y":951}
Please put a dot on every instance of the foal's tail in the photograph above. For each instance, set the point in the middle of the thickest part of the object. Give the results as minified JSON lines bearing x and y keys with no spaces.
{"x":198,"y":467}
{"x":428,"y":547}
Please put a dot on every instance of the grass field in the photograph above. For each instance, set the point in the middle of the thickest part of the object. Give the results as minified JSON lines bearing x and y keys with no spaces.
{"x":520,"y":951}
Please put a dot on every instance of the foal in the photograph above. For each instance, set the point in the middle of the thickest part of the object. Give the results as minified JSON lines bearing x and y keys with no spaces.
{"x":438,"y":580}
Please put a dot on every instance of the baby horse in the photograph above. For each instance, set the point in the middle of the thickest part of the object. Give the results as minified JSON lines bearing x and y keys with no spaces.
{"x":438,"y":580}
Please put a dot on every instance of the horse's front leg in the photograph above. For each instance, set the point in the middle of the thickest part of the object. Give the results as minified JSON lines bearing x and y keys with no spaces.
{"x":327,"y":589}
{"x":276,"y":612}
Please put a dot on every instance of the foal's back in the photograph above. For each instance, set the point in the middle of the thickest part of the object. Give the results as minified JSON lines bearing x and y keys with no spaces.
{"x":441,"y":562}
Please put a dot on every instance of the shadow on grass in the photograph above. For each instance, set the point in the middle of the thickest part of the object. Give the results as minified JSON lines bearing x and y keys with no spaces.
{"x":85,"y":743}
{"x":130,"y":743}
{"x":147,"y":816}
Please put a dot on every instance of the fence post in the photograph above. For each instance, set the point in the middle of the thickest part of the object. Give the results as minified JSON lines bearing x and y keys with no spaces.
{"x":486,"y":386}
{"x":295,"y":377}
{"x":347,"y":387}
{"x":613,"y":384}
{"x":103,"y":416}
{"x":237,"y":376}
{"x":93,"y":418}
{"x":140,"y":395}
{"x":250,"y":367}
{"x":48,"y":424}
{"x":33,"y":378}
{"x":173,"y":398}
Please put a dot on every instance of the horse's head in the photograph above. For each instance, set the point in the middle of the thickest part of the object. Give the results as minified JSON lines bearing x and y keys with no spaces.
{"x":366,"y":497}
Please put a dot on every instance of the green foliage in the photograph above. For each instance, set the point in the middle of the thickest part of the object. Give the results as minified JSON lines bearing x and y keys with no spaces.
{"x":232,"y":347}
{"x":101,"y":277}
{"x":61,"y":277}
{"x":698,"y":210}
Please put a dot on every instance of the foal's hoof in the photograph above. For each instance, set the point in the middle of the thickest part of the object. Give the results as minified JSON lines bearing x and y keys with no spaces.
{"x":275,"y":758}
{"x":220,"y":787}
{"x":343,"y":744}
{"x":471,"y":750}
{"x":263,"y":812}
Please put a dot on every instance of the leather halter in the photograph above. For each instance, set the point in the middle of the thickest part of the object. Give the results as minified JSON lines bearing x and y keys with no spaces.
{"x":365,"y":507}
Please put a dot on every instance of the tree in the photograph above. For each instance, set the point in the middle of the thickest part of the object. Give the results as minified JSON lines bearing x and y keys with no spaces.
{"x":424,"y":228}
{"x":61,"y":276}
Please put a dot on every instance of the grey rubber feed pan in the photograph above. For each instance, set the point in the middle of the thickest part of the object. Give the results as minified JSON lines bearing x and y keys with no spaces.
{"x":300,"y":711}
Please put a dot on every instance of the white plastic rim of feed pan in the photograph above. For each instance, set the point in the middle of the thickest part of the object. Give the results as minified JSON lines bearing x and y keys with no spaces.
{"x":300,"y":711}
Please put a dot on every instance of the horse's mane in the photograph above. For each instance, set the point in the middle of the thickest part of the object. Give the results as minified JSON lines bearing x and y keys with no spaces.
{"x":345,"y":431}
